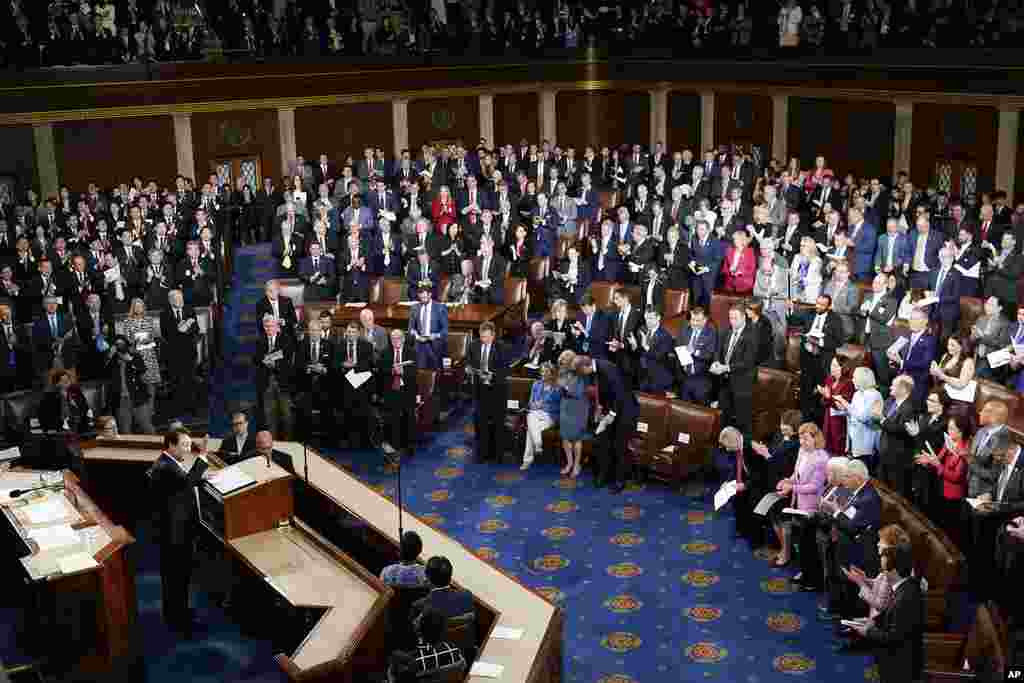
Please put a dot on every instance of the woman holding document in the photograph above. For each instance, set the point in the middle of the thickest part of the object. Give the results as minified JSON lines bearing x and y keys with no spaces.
{"x":954,"y":373}
{"x":952,"y":465}
{"x":801,"y":490}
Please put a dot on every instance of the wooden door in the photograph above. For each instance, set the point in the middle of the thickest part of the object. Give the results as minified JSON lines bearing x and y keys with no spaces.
{"x":958,"y":178}
{"x":247,"y":167}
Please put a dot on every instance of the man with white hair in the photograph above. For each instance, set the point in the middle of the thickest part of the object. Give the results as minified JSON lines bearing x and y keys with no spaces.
{"x":946,"y":286}
{"x":180,"y":329}
{"x":274,"y":364}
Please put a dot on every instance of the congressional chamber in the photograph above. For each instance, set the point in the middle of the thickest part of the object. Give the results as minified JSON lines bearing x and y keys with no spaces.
{"x":393,"y":341}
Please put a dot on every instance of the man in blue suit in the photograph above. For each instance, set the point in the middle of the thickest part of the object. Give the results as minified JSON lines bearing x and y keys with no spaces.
{"x":623,"y":230}
{"x":706,"y":254}
{"x":916,"y":356}
{"x":382,"y":200}
{"x":864,"y":237}
{"x":891,"y":254}
{"x":545,"y":225}
{"x":654,"y":345}
{"x":591,"y":329}
{"x":428,"y":326}
{"x":423,"y":270}
{"x":701,"y":340}
{"x":618,"y":411}
{"x":50,"y":333}
{"x":607,"y":261}
{"x":922,"y":253}
{"x":947,"y":286}
{"x":318,"y":274}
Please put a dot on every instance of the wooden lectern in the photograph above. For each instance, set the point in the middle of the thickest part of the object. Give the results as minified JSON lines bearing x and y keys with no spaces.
{"x":262,"y":505}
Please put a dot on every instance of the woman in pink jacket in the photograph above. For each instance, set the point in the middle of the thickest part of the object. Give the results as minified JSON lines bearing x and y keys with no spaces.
{"x":802,"y":489}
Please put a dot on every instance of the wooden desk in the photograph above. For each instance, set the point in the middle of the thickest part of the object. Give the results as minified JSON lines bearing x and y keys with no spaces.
{"x":535,"y":658}
{"x":460,"y":318}
{"x":110,"y":622}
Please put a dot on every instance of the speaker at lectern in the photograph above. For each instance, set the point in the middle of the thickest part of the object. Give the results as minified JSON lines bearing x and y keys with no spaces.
{"x":248,"y":497}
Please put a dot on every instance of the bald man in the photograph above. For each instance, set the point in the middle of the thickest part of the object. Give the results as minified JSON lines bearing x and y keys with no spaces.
{"x":265,"y":449}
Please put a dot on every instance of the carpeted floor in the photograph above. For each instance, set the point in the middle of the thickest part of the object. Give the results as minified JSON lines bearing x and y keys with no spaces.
{"x":653,"y":584}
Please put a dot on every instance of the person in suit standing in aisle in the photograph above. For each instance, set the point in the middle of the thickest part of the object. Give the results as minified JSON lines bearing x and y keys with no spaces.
{"x":897,"y":633}
{"x":275,"y":363}
{"x":896,"y":444}
{"x":172,"y":482}
{"x":706,"y":256}
{"x":428,"y":326}
{"x":821,"y":337}
{"x":878,"y":311}
{"x":236,"y":447}
{"x":617,"y":414}
{"x":736,"y":365}
{"x":396,"y":372}
{"x":487,"y":357}
{"x":916,"y":356}
{"x":179,"y":328}
{"x":352,"y":354}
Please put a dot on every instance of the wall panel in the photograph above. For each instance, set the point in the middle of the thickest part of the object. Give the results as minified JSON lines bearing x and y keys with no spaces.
{"x":684,"y":122}
{"x":744,"y":120}
{"x":343,"y":130}
{"x":1019,"y":182}
{"x":19,"y":156}
{"x":854,"y":137}
{"x":109,"y":152}
{"x":956,"y":133}
{"x":444,"y":119}
{"x":516,"y":116}
{"x":239,"y":133}
{"x":603,"y":117}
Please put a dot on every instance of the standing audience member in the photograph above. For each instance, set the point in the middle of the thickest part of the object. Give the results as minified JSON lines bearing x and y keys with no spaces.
{"x":838,"y":385}
{"x":574,"y":413}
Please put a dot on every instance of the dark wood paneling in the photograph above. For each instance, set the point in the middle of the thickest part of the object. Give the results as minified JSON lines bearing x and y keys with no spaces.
{"x":603,"y":117}
{"x":516,"y":116}
{"x":854,"y":137}
{"x":450,"y":118}
{"x":236,"y":134}
{"x":111,"y":152}
{"x":967,"y":134}
{"x":684,"y":122}
{"x":343,"y":130}
{"x":743,"y":119}
{"x":19,"y":156}
{"x":1019,"y":182}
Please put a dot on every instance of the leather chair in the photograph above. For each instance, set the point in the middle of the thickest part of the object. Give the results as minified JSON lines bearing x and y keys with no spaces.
{"x":677,"y":302}
{"x":720,"y":305}
{"x":971,"y":308}
{"x":651,"y":426}
{"x":536,"y":277}
{"x":674,"y":326}
{"x":444,"y":288}
{"x":989,"y":391}
{"x":936,"y":557}
{"x":517,"y":299}
{"x":392,"y":290}
{"x":793,"y":340}
{"x":984,"y":649}
{"x":855,"y":355}
{"x":702,"y":425}
{"x":426,"y":409}
{"x":515,"y":412}
{"x":375,"y":288}
{"x":602,"y":293}
{"x":20,"y":407}
{"x":773,"y":393}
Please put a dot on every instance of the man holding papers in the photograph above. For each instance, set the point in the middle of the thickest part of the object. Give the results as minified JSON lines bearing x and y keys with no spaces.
{"x":823,"y":334}
{"x":914,"y":358}
{"x":353,"y":363}
{"x":274,"y":361}
{"x":172,"y":482}
{"x":700,"y":342}
{"x":991,"y":332}
{"x":396,"y":376}
{"x":878,"y":311}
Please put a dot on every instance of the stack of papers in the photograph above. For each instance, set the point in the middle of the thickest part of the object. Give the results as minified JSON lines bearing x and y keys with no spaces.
{"x":230,"y":479}
{"x":53,"y":537}
{"x":358,"y":379}
{"x":47,"y":511}
{"x":506,"y":633}
{"x":76,"y":562}
{"x":725,"y":494}
{"x":486,"y":670}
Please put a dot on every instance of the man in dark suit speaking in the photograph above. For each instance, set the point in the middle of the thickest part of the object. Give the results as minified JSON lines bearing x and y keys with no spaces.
{"x":617,"y":413}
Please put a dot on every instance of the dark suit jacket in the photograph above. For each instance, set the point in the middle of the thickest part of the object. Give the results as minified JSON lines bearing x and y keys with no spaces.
{"x":283,"y":369}
{"x":656,"y":362}
{"x":307,"y":381}
{"x":881,"y":334}
{"x":229,"y":451}
{"x":171,"y":489}
{"x":324,"y":290}
{"x":705,"y":349}
{"x":596,"y":344}
{"x":180,"y":347}
{"x":898,"y":635}
{"x":286,"y":311}
{"x":743,"y":363}
{"x":895,"y":446}
{"x":613,"y":393}
{"x":386,"y":361}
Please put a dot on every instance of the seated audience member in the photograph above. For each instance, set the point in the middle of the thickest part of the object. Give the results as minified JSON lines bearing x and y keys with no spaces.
{"x":951,"y":465}
{"x":408,"y":572}
{"x":801,"y":490}
{"x":428,"y":327}
{"x":861,"y":425}
{"x":991,"y":332}
{"x":915,"y":357}
{"x":897,"y":635}
{"x":654,"y":345}
{"x":838,"y":384}
{"x":766,"y":465}
{"x":63,"y":406}
{"x":877,"y":592}
{"x":542,"y":413}
{"x":239,"y":444}
{"x":431,"y":658}
{"x":444,"y":598}
{"x":701,"y":342}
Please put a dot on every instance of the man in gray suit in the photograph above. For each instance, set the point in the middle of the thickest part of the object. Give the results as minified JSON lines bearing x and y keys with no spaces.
{"x":776,"y":207}
{"x":992,"y":436}
{"x":878,"y":311}
{"x":845,"y":298}
{"x":990,"y":332}
{"x":373,"y":333}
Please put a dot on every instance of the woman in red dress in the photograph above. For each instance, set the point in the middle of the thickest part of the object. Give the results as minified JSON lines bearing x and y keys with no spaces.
{"x":443,"y":209}
{"x":838,"y":383}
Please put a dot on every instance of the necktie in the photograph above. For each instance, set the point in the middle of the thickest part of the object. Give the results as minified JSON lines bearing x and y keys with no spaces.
{"x":938,"y":282}
{"x":270,"y":344}
{"x":53,"y":325}
{"x":732,"y":344}
{"x":892,"y":409}
{"x":396,"y":382}
{"x":1004,"y":477}
{"x":424,"y":318}
{"x":485,"y":357}
{"x":352,"y":352}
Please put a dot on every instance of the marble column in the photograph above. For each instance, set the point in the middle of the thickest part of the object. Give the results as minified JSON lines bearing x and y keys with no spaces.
{"x":780,"y":128}
{"x":286,"y":134}
{"x":659,"y":117}
{"x":46,"y":160}
{"x":903,"y":134}
{"x":183,"y":145}
{"x":400,"y":126}
{"x":548,"y":116}
{"x":486,"y":113}
{"x":1006,"y":152}
{"x":707,"y":122}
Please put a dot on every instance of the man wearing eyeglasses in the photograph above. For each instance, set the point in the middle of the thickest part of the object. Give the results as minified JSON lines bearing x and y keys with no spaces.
{"x":235,"y":447}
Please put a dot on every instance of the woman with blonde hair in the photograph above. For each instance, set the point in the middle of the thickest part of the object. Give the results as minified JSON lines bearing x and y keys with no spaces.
{"x":574,"y":414}
{"x":802,"y":489}
{"x":141,"y":333}
{"x":543,"y":412}
{"x":862,"y":429}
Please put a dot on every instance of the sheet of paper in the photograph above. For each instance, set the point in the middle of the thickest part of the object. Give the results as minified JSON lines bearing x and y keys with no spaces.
{"x":76,"y":562}
{"x":671,"y":448}
{"x":642,"y":427}
{"x":966,"y":394}
{"x":998,"y":359}
{"x":766,"y":503}
{"x":927,"y":301}
{"x":506,"y":633}
{"x":113,"y":274}
{"x":684,"y":356}
{"x":898,"y":345}
{"x":56,"y":536}
{"x":355,"y":304}
{"x":973,"y":502}
{"x":47,"y":511}
{"x":486,"y":670}
{"x":358,"y":379}
{"x":12,"y":453}
{"x":513,"y":405}
{"x":276,"y":355}
{"x":725,"y":494}
{"x":684,"y":438}
{"x":850,"y":512}
{"x":794,"y":511}
{"x":230,"y":479}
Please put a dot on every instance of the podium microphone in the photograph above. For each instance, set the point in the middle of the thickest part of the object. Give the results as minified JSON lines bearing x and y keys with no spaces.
{"x":17,"y":493}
